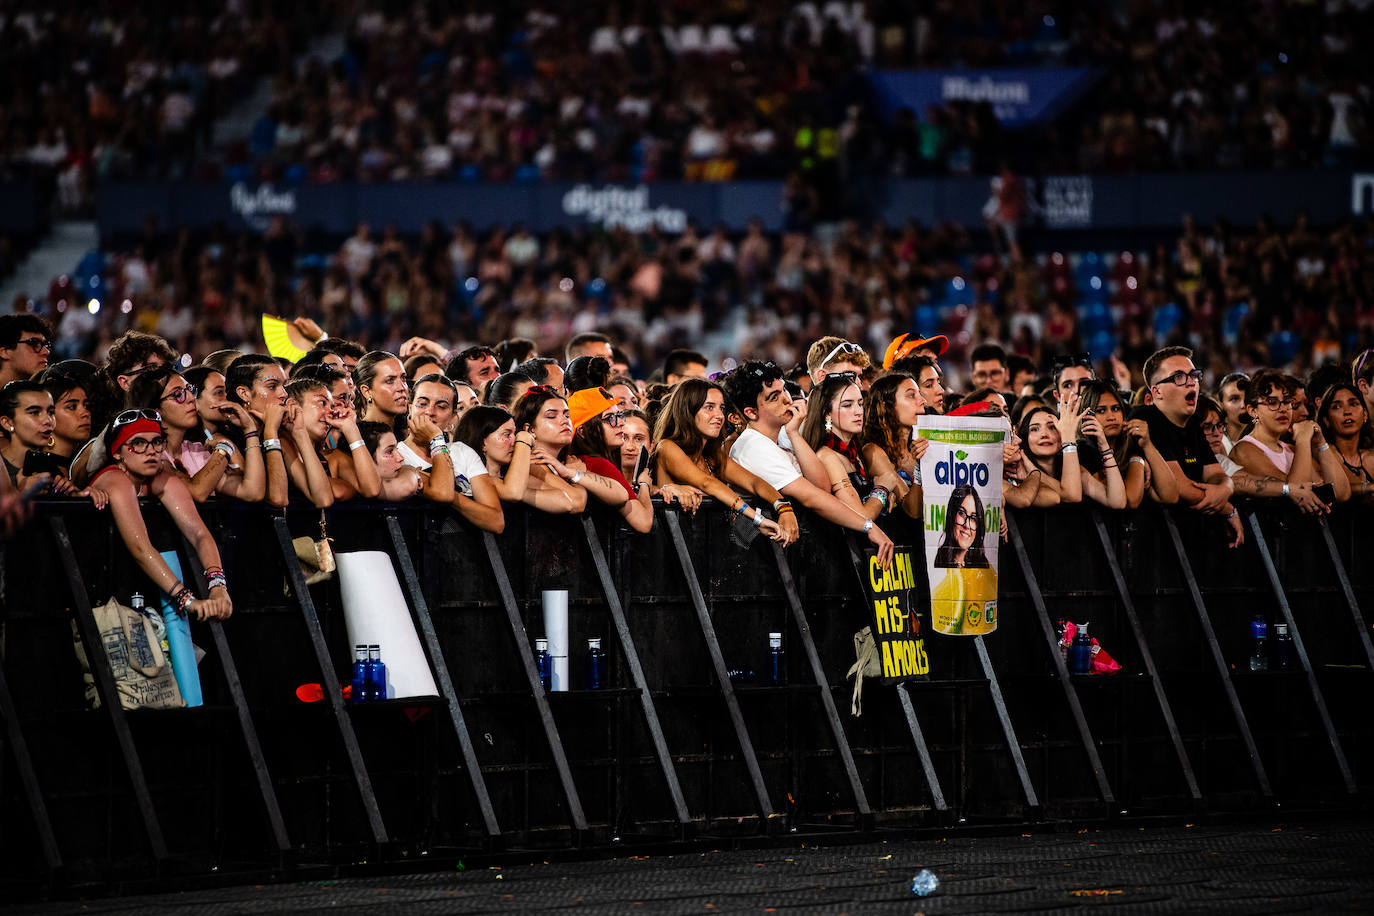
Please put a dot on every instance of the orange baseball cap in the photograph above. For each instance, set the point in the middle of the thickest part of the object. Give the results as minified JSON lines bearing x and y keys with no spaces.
{"x":588,"y":404}
{"x":904,"y":345}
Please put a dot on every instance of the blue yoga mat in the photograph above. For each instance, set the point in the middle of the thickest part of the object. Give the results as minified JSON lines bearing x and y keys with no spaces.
{"x":179,"y":641}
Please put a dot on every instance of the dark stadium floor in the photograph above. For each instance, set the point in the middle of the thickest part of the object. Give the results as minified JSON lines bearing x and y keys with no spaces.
{"x":1317,"y":866}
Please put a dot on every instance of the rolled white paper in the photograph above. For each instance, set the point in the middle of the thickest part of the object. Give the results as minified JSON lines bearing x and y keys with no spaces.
{"x":556,"y":632}
{"x":376,"y":613}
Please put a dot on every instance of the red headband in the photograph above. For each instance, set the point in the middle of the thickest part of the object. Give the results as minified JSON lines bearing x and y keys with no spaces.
{"x":127,"y":431}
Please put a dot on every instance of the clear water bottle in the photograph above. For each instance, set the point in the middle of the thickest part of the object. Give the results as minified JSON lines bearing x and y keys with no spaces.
{"x":543,"y":662}
{"x":777,"y":667}
{"x":925,"y":883}
{"x":596,"y":663}
{"x":1259,"y":652}
{"x":357,"y":692}
{"x":376,"y":674}
{"x":1283,"y":646}
{"x":1081,"y":652}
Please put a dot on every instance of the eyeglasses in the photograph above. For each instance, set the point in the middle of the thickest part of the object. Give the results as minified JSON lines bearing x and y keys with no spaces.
{"x":38,"y":344}
{"x":183,"y":394}
{"x":1209,"y":428}
{"x":615,"y":417}
{"x":965,"y":519}
{"x":843,"y":346}
{"x":1180,"y":378}
{"x":129,"y":416}
{"x":141,"y":446}
{"x":1279,"y":403}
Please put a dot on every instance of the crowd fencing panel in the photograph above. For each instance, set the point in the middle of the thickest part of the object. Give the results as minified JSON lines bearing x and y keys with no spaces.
{"x":686,"y":737}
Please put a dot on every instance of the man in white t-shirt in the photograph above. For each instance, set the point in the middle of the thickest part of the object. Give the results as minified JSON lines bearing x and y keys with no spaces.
{"x":475,"y":495}
{"x":758,"y":392}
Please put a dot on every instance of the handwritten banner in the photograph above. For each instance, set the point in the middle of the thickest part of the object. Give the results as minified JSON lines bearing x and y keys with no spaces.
{"x":898,"y":631}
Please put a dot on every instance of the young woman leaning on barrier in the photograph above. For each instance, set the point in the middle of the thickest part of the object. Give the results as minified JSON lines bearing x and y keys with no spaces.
{"x":216,"y":465}
{"x":1345,"y":423}
{"x":349,"y":467}
{"x":638,"y":438}
{"x":1042,"y":435}
{"x":1304,"y":463}
{"x":72,"y":416}
{"x":28,"y":417}
{"x":134,"y":443}
{"x":546,"y":414}
{"x":1105,"y":448}
{"x":490,"y":431}
{"x":399,"y":480}
{"x":834,"y":420}
{"x":598,"y":433}
{"x":688,"y":451}
{"x":888,"y":442}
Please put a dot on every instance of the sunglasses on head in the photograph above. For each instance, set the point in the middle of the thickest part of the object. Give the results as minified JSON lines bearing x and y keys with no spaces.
{"x":767,"y":368}
{"x":129,"y":416}
{"x":543,"y":389}
{"x":843,"y":346}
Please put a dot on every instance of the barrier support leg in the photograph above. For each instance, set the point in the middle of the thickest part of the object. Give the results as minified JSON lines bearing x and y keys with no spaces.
{"x":627,"y":647}
{"x":1128,"y":605}
{"x":832,"y":717}
{"x":913,"y":723}
{"x":1317,"y":698}
{"x":105,"y":687}
{"x":1224,"y":673}
{"x":541,"y":702}
{"x":330,"y":681}
{"x":430,"y":640}
{"x":1348,"y":591}
{"x":1004,"y":719}
{"x":247,"y":728}
{"x":727,"y":689}
{"x":1060,"y":669}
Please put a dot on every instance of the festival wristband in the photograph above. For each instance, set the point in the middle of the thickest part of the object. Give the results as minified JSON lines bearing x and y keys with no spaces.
{"x":577,"y":476}
{"x":437,"y":441}
{"x":271,"y":445}
{"x":355,"y":445}
{"x":1137,"y":458}
{"x":1068,"y":448}
{"x":1287,"y":491}
{"x":436,"y":450}
{"x":758,"y":518}
{"x":1324,"y":446}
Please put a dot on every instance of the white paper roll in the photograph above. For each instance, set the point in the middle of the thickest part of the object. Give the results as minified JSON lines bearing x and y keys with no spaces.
{"x":556,"y":632}
{"x":376,"y":613}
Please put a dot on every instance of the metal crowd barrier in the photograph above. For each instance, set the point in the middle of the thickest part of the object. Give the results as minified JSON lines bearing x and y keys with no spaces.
{"x":681,"y":743}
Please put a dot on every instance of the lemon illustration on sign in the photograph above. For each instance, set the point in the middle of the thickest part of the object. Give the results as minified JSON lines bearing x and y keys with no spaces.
{"x":965,"y":601}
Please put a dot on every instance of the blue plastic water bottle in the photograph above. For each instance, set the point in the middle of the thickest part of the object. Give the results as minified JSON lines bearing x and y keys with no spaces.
{"x":777,"y":668}
{"x":358,"y":691}
{"x":596,"y":663}
{"x":376,"y":674}
{"x":543,"y":662}
{"x":1081,"y":652}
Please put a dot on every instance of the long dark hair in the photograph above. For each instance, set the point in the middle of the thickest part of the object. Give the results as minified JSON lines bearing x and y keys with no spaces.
{"x":948,"y":552}
{"x":1090,"y":394}
{"x":528,"y":407}
{"x":1023,"y":430}
{"x":478,"y":423}
{"x":880,"y":418}
{"x":1366,"y":438}
{"x":818,"y":406}
{"x":590,"y":439}
{"x":677,"y":422}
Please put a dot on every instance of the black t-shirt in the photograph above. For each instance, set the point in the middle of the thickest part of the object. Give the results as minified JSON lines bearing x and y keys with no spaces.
{"x":1184,"y":444}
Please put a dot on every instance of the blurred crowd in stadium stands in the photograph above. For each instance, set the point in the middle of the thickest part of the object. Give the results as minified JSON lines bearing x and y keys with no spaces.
{"x":635,"y":91}
{"x":1290,"y":297}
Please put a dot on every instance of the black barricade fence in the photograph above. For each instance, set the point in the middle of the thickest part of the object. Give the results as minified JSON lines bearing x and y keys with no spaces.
{"x":687,"y":733}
